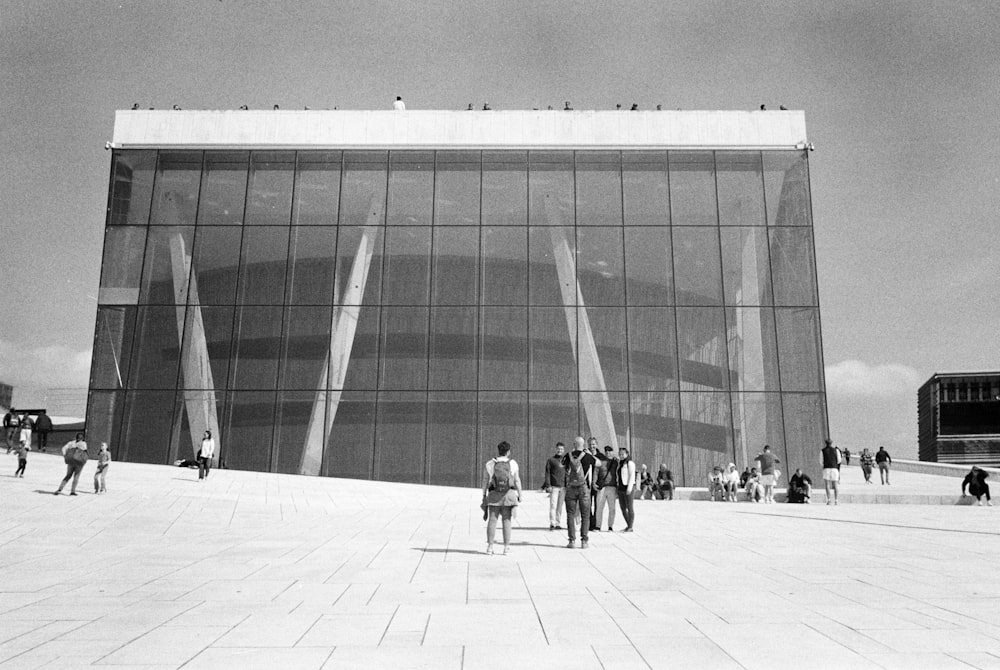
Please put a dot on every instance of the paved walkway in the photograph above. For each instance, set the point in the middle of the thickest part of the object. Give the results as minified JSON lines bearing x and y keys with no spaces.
{"x":253,"y":570}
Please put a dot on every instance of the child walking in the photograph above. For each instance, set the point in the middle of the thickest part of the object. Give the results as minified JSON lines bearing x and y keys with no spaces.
{"x":103,"y":461}
{"x":22,"y":459}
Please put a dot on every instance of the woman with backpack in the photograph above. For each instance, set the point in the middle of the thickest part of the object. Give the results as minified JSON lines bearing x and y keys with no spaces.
{"x":501,"y":494}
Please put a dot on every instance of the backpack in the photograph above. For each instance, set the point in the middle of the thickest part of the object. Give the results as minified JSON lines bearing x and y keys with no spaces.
{"x":500,"y":481}
{"x":76,"y":456}
{"x":574,"y":473}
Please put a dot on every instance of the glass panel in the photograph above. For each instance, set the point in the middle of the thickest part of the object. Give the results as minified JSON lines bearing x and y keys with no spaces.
{"x":210,"y":341}
{"x":701,"y":337}
{"x":403,"y":360}
{"x":216,"y":266}
{"x":256,"y":339}
{"x":359,"y":265}
{"x":598,"y":189}
{"x":503,"y":357}
{"x":451,"y":439}
{"x":132,"y":187}
{"x":741,"y":188}
{"x":223,"y":188}
{"x":317,"y":188}
{"x":166,"y":266}
{"x":692,"y":189}
{"x":175,"y":194}
{"x":805,"y":429}
{"x":646,"y":189}
{"x":453,"y":348}
{"x":606,"y":417}
{"x":753,"y":350}
{"x":104,"y":420}
{"x":411,"y":188}
{"x":194,"y":412}
{"x":312,"y":256}
{"x":400,"y":427}
{"x":697,"y":267}
{"x":550,"y":183}
{"x":263,"y":264}
{"x":786,"y":186}
{"x":296,"y":411}
{"x":505,"y":188}
{"x":156,"y":348}
{"x":746,"y":275}
{"x":652,"y":352}
{"x":756,"y":422}
{"x":121,"y":269}
{"x":503,"y":416}
{"x":554,"y":417}
{"x":362,"y":198}
{"x":799,"y":350}
{"x":360,"y":351}
{"x":553,"y":365}
{"x":600,"y":265}
{"x":707,"y":432}
{"x":551,"y":266}
{"x":656,"y":433}
{"x":505,"y":270}
{"x":112,"y":347}
{"x":456,"y":199}
{"x":455,"y":266}
{"x":269,"y":202}
{"x":406,"y":279}
{"x":649,"y":266}
{"x":247,"y":432}
{"x":146,"y":426}
{"x":351,"y":446}
{"x":793,"y":267}
{"x":305,"y":344}
{"x":607,"y":325}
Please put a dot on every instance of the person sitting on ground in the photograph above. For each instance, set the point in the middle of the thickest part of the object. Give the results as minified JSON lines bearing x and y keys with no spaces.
{"x":730,"y":483}
{"x":715,"y":484}
{"x":799,"y":487}
{"x":867,"y":464}
{"x":755,"y":492}
{"x":976,"y":481}
{"x":646,"y":485}
{"x":665,"y":483}
{"x":744,"y":476}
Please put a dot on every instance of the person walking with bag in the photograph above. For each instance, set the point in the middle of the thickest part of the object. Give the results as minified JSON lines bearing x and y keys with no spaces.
{"x":501,"y":494}
{"x":205,"y":454}
{"x":101,"y":476}
{"x":75,"y":455}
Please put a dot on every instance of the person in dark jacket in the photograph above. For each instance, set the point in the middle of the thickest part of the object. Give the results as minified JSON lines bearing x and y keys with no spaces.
{"x":976,"y":483}
{"x":555,"y":480}
{"x":11,"y":424}
{"x":831,"y":471}
{"x":884,"y":460}
{"x":799,"y":487}
{"x":43,"y":426}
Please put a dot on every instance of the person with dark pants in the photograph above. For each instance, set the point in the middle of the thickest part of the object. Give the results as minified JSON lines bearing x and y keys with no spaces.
{"x":884,"y":460}
{"x":595,"y":454}
{"x":579,"y":475}
{"x":626,"y":487}
{"x":43,"y":426}
{"x":22,"y":459}
{"x":976,"y":482}
{"x":75,"y":455}
{"x":205,"y":454}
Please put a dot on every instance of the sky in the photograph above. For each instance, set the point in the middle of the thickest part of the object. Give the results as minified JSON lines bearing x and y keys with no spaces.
{"x":902,"y":100}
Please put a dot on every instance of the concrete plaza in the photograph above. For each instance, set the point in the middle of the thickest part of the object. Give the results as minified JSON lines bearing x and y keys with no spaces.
{"x":252,"y":570}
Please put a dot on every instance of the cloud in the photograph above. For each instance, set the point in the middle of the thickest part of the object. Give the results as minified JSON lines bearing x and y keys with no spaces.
{"x":54,"y":366}
{"x":859,"y":379}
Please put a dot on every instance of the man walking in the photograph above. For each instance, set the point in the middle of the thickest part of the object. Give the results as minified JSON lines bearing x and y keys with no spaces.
{"x":75,"y":455}
{"x":765,"y":464}
{"x":831,"y":470}
{"x":555,"y":480}
{"x":579,"y":475}
{"x":607,"y":488}
{"x":43,"y":426}
{"x":626,"y":487}
{"x":884,"y":460}
{"x":11,"y":424}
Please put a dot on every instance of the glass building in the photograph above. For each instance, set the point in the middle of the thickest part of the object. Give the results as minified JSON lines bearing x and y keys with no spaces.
{"x":388,"y":295}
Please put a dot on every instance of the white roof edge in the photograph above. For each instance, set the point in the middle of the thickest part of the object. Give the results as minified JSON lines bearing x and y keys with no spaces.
{"x":432,"y":129}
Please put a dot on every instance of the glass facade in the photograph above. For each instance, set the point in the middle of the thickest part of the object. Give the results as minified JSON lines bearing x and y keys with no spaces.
{"x":395,"y":314}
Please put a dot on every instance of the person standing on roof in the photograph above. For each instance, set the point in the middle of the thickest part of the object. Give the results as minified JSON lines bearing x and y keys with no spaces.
{"x":399,"y":105}
{"x":501,"y":494}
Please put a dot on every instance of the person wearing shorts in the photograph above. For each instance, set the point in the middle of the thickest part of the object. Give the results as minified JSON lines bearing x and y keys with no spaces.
{"x":831,"y":471}
{"x":765,"y":463}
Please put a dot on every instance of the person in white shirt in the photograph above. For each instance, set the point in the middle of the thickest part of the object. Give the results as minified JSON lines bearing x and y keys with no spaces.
{"x":399,"y":105}
{"x":205,"y":455}
{"x":626,"y":487}
{"x":501,"y":494}
{"x":730,"y":482}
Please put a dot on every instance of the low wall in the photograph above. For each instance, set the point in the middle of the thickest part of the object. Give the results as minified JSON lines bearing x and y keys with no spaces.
{"x":941,"y":469}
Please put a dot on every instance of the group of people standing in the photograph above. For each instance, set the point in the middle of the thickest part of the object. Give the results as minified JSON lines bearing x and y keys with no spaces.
{"x":18,"y":429}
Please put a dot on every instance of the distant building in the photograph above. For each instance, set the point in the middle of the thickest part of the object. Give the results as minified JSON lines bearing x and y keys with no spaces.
{"x":958,"y":416}
{"x":381,"y":296}
{"x":6,"y":395}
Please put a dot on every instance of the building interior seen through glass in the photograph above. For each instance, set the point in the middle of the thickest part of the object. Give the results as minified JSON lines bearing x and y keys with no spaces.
{"x":394,"y":315}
